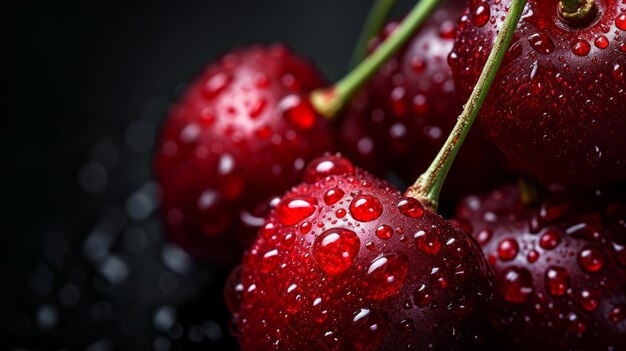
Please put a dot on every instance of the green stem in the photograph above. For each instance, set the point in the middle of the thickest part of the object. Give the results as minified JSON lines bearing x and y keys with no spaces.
{"x":329,"y":101}
{"x":428,"y":186}
{"x":374,"y":22}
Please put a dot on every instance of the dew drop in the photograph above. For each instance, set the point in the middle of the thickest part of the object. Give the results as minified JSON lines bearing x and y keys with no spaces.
{"x":293,"y":210}
{"x":216,"y":84}
{"x":482,"y":14}
{"x":366,"y":208}
{"x":549,"y":240}
{"x":484,"y":236}
{"x":411,"y":207}
{"x":517,"y":284}
{"x":508,"y":249}
{"x":541,"y":43}
{"x":588,"y":300}
{"x":386,"y":275}
{"x":423,"y":295}
{"x":330,"y":341}
{"x":557,"y":281}
{"x":581,"y":48}
{"x":269,"y":261}
{"x":591,"y":259}
{"x":601,"y":42}
{"x":428,"y":242}
{"x":368,"y":329}
{"x":293,"y":298}
{"x":620,"y":22}
{"x":297,"y":111}
{"x":384,"y":232}
{"x":257,"y":108}
{"x":323,"y":167}
{"x":335,"y":249}
{"x":332,"y":196}
{"x":617,"y":314}
{"x":340,"y":213}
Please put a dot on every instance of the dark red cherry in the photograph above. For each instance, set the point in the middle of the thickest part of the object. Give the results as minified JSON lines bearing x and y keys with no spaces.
{"x":401,"y":119}
{"x":564,"y":287}
{"x":367,"y":269}
{"x":241,"y":132}
{"x":558,"y":105}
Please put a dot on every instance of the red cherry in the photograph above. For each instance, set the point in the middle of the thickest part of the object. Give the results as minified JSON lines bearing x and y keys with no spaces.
{"x":360,"y":281}
{"x":558,"y":105}
{"x":408,"y":109}
{"x":241,"y":132}
{"x":562,"y":290}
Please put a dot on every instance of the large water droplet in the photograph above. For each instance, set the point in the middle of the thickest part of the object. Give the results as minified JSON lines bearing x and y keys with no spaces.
{"x":386,"y":275}
{"x":591,"y":259}
{"x":293,"y":210}
{"x":323,"y":167}
{"x":482,"y":14}
{"x":368,"y":329}
{"x":428,"y":241}
{"x":508,"y":249}
{"x":332,"y":196}
{"x":423,"y":295}
{"x":517,"y":284}
{"x":366,"y":208}
{"x":298,"y":111}
{"x":335,"y":249}
{"x":549,"y":240}
{"x":411,"y":207}
{"x":581,"y":48}
{"x":541,"y":42}
{"x":557,"y":281}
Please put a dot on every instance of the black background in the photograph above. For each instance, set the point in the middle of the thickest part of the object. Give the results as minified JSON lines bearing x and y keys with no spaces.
{"x":83,"y":262}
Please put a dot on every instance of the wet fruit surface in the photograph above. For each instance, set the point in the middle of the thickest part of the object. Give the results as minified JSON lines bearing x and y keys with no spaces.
{"x":410,"y":106}
{"x":565,"y":286}
{"x":242,"y":132}
{"x":558,"y":107}
{"x":386,"y":274}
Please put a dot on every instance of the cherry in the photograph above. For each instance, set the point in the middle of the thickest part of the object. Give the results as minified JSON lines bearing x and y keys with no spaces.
{"x":345,"y":262}
{"x":559,"y":104}
{"x":241,"y":132}
{"x":410,"y":106}
{"x":559,"y":265}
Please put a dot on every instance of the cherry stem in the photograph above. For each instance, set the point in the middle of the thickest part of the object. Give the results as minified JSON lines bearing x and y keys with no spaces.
{"x":428,"y":186}
{"x":329,"y":101}
{"x":576,"y":12}
{"x":373,"y":23}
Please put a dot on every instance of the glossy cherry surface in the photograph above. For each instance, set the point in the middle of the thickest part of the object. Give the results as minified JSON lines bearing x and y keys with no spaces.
{"x":241,"y":132}
{"x":558,"y":107}
{"x":345,"y":262}
{"x":560,"y":267}
{"x":403,"y":116}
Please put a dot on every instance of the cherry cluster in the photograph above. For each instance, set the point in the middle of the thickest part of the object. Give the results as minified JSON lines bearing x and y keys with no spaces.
{"x":258,"y":157}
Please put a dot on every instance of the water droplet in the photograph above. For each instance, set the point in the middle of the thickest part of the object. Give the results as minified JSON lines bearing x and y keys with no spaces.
{"x":541,"y":42}
{"x":216,"y":84}
{"x":428,"y":242}
{"x":588,"y":300}
{"x":411,"y":207}
{"x":581,"y":48}
{"x":368,"y":329}
{"x":423,"y":295}
{"x":484,"y":236}
{"x":508,"y":249}
{"x":406,"y":326}
{"x":298,"y":111}
{"x":601,"y":42}
{"x":386,"y":275}
{"x":482,"y":14}
{"x":620,"y":22}
{"x":293,"y":210}
{"x":269,"y":261}
{"x":549,"y":240}
{"x":532,"y":256}
{"x":517,"y":284}
{"x":293,"y":298}
{"x":384,"y":232}
{"x":591,"y":259}
{"x":323,"y":167}
{"x":305,"y":227}
{"x":340,"y":213}
{"x":333,"y":195}
{"x":617,"y":314}
{"x":257,"y":108}
{"x":366,"y":208}
{"x":330,"y":341}
{"x":335,"y":249}
{"x":557,"y":281}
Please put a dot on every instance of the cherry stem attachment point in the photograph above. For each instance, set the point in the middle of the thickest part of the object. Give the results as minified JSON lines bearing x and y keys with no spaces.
{"x":428,"y":186}
{"x":329,"y":101}
{"x":576,"y":12}
{"x":373,"y":23}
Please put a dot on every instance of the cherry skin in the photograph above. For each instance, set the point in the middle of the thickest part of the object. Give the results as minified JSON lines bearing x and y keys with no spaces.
{"x":345,"y":262}
{"x":560,"y":267}
{"x":558,"y":106}
{"x":408,"y":109}
{"x":241,"y":132}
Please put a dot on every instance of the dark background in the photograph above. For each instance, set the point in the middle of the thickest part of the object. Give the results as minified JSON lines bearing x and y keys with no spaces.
{"x":83,"y":262}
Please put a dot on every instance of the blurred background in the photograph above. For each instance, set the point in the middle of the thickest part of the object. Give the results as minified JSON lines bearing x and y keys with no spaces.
{"x":83,"y":262}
